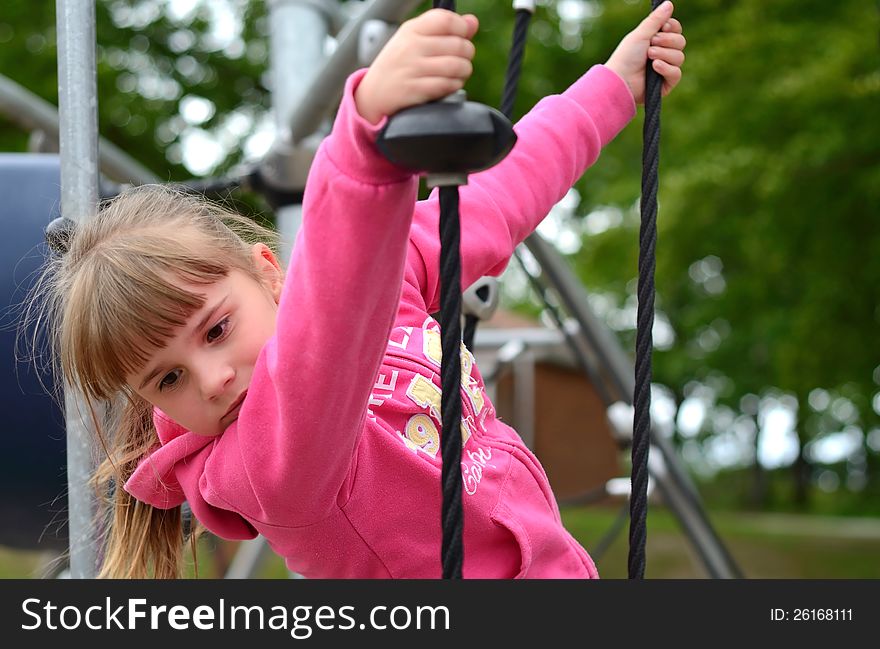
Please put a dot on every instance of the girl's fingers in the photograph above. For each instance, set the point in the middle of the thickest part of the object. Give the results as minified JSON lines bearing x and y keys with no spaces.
{"x":473,"y":24}
{"x":672,"y":25}
{"x":438,"y":22}
{"x":668,"y":39}
{"x":446,"y":46}
{"x":430,"y":88}
{"x":671,"y":75}
{"x":667,"y":54}
{"x":452,"y":67}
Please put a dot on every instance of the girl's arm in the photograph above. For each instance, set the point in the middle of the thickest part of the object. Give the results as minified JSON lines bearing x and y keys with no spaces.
{"x":306,"y":403}
{"x":557,"y":141}
{"x":297,"y":432}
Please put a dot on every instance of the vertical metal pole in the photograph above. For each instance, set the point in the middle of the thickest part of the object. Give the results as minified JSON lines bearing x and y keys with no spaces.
{"x":78,"y":130}
{"x":299,"y":30}
{"x":524,"y":386}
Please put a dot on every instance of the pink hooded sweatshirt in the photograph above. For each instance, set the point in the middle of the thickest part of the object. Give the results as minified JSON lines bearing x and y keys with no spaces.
{"x":334,"y":457}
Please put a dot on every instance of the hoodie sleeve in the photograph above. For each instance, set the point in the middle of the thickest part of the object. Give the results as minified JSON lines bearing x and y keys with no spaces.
{"x":557,"y":141}
{"x":286,"y":458}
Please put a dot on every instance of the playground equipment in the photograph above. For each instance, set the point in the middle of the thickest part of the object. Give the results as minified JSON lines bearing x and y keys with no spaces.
{"x":32,"y":480}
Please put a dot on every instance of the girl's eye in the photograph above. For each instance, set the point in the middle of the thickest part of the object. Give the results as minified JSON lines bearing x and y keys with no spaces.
{"x":218,"y":330}
{"x":169,"y":380}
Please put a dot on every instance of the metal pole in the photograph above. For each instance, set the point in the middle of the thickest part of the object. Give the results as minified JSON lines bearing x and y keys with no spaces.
{"x":297,"y":38}
{"x":298,"y":33}
{"x":77,"y":100}
{"x":306,"y":84}
{"x":321,"y":94}
{"x":249,"y":558}
{"x":524,"y":397}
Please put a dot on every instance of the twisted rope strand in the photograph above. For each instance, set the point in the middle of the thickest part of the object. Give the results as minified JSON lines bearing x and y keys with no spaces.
{"x":508,"y":98}
{"x":452,"y":516}
{"x":645,"y":323}
{"x":514,"y":63}
{"x":450,"y":374}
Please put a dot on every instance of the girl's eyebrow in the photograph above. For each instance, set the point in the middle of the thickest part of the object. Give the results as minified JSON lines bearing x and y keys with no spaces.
{"x":150,"y":377}
{"x":209,"y":315}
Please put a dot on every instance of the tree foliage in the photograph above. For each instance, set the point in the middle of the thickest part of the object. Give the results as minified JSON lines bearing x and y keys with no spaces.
{"x":150,"y":59}
{"x":768,"y":226}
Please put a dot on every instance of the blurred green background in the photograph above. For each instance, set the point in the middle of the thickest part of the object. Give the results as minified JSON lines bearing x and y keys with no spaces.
{"x":764,"y":546}
{"x":767,"y":361}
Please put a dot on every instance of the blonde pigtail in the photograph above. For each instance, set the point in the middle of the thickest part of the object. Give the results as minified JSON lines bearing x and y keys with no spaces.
{"x":112,"y":299}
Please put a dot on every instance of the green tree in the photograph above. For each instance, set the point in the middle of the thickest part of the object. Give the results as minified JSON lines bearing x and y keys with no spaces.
{"x":150,"y":60}
{"x":769,"y":195}
{"x":768,"y":226}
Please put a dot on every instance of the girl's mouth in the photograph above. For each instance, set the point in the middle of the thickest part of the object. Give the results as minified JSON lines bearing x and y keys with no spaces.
{"x":232,"y":413}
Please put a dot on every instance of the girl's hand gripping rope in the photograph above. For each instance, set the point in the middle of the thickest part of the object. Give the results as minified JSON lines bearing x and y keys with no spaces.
{"x":658,"y":37}
{"x":429,"y":57}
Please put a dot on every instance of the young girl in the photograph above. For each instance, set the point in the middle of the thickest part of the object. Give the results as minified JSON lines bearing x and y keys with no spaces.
{"x":306,"y":407}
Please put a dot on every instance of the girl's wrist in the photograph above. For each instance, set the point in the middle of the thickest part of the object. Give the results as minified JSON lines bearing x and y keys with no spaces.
{"x":364,"y":104}
{"x":611,"y":66}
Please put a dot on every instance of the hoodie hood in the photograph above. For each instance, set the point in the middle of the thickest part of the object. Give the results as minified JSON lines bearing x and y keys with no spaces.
{"x":155,"y":480}
{"x":172,"y":474}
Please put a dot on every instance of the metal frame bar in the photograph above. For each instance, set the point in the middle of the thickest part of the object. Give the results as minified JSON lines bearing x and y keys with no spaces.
{"x":78,"y":139}
{"x":322,"y":94}
{"x":298,"y":30}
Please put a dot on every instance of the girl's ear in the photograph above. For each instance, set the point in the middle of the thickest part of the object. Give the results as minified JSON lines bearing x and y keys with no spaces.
{"x":269,"y":269}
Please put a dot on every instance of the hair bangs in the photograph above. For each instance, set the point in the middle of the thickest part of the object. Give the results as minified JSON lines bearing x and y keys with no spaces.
{"x":128,"y":305}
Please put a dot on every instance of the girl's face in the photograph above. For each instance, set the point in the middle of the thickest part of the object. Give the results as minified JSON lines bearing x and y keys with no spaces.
{"x":200,"y":378}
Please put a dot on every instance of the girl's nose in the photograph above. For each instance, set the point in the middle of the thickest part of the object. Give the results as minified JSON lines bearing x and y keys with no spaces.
{"x":215,"y":379}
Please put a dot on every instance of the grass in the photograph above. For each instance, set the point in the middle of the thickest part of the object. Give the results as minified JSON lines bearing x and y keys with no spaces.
{"x":764,"y":546}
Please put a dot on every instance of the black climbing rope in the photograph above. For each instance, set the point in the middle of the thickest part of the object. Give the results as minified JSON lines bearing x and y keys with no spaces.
{"x":645,"y":322}
{"x":524,"y":11}
{"x":452,"y":515}
{"x":426,"y":149}
{"x":450,"y":372}
{"x":514,"y":62}
{"x":447,"y":140}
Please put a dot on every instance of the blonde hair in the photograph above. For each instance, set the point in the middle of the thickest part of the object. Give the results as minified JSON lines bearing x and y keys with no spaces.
{"x":106,"y":305}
